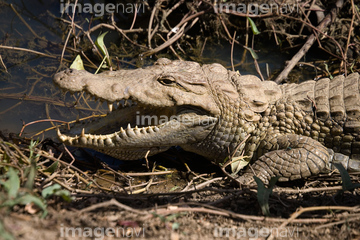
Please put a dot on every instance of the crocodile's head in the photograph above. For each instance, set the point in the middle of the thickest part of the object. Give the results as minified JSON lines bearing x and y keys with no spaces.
{"x":170,"y":103}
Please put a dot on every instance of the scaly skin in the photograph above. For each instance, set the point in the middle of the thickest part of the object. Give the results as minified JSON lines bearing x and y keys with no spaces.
{"x":291,"y":131}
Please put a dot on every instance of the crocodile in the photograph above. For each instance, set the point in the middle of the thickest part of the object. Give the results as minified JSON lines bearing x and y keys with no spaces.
{"x":292,"y":131}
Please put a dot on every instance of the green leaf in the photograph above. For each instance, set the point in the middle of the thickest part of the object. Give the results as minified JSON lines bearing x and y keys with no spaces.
{"x":32,"y":169}
{"x":26,"y":199}
{"x":31,"y":175}
{"x":47,"y":192}
{"x":253,"y":26}
{"x":77,"y":63}
{"x":5,"y":235}
{"x":174,"y":188}
{"x":65,"y":195}
{"x":52,"y":168}
{"x":253,"y":53}
{"x":264,"y":193}
{"x":347,"y":185}
{"x":327,"y":70}
{"x":175,"y":226}
{"x":100,"y":43}
{"x":55,"y":190}
{"x":12,"y":185}
{"x":101,"y":46}
{"x":162,"y":218}
{"x":238,"y":163}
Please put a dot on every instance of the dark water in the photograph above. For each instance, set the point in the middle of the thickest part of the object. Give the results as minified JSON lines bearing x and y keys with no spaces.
{"x":27,"y":74}
{"x":27,"y":93}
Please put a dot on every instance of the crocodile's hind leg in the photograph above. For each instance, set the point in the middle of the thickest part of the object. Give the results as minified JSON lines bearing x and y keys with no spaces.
{"x":295,"y":157}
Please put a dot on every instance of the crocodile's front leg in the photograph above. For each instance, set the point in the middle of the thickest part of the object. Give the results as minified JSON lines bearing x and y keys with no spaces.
{"x":291,"y":157}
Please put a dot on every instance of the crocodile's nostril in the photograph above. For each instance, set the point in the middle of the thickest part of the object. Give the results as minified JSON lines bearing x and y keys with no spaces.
{"x":68,"y":71}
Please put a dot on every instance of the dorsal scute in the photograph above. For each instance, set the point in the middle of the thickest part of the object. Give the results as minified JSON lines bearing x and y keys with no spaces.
{"x":218,"y":78}
{"x":321,"y":95}
{"x":352,"y":101}
{"x":302,"y":93}
{"x":256,"y":93}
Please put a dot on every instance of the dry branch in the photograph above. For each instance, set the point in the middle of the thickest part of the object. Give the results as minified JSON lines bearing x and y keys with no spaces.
{"x":325,"y":22}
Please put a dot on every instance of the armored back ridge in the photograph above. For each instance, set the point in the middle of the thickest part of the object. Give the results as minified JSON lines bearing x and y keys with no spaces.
{"x":291,"y":130}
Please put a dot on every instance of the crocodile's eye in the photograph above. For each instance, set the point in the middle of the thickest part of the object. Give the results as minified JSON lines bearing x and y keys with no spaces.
{"x":167,"y":80}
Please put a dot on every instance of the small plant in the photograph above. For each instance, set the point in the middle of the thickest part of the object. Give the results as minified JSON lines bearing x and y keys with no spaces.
{"x":16,"y":195}
{"x":168,"y":219}
{"x":347,"y":185}
{"x":264,"y":193}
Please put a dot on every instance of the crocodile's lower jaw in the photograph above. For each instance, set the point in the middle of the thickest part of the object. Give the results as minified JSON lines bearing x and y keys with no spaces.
{"x":137,"y":127}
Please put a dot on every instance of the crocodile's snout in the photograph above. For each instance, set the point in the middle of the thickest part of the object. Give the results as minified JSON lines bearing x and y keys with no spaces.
{"x":71,"y":79}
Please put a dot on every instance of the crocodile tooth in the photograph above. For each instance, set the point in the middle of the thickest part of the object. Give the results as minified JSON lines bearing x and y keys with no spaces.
{"x":156,"y":129}
{"x":128,"y":126}
{"x":90,"y":140}
{"x":101,"y":142}
{"x":109,"y":142}
{"x":137,"y":130}
{"x":149,"y":129}
{"x":83,"y":140}
{"x":83,"y":132}
{"x":117,"y":137}
{"x":122,"y":133}
{"x":62,"y":137}
{"x":119,"y":104}
{"x":69,"y":140}
{"x":76,"y":138}
{"x":143,"y":130}
{"x":121,"y":129}
{"x":130,"y":132}
{"x":110,"y":105}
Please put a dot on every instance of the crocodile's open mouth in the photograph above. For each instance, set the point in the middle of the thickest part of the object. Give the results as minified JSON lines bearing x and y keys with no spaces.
{"x":163,"y":110}
{"x":132,"y":124}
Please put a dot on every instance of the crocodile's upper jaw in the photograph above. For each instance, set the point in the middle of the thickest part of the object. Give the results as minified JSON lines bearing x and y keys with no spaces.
{"x":166,"y":110}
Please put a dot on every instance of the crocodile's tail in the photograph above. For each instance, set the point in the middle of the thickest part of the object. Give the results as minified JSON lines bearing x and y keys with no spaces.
{"x":350,"y":163}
